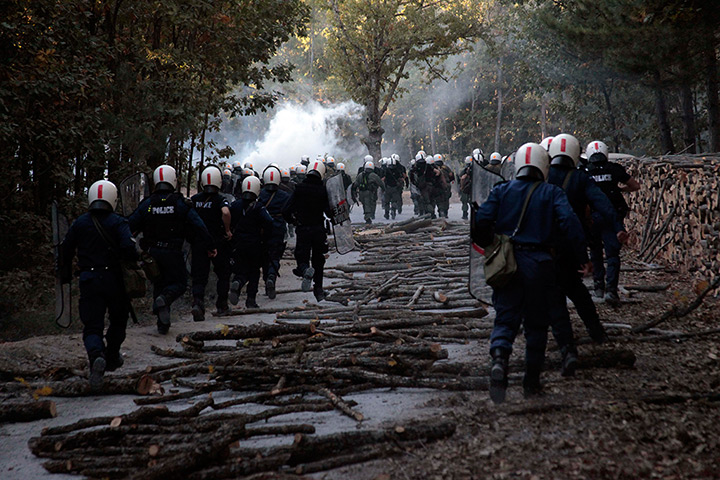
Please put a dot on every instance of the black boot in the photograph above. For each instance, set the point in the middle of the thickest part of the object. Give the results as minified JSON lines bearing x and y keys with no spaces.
{"x":531,"y":381}
{"x":569,"y":360}
{"x":498,"y":374}
{"x":251,"y":302}
{"x":162,"y":310}
{"x":97,"y":370}
{"x":198,"y":309}
{"x":270,"y":287}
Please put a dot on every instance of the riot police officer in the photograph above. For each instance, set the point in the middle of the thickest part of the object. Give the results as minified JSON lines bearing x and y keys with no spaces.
{"x":465,"y":186}
{"x":166,"y":220}
{"x":608,"y":176}
{"x":365,"y":187}
{"x":582,"y":194}
{"x":249,"y":219}
{"x":531,"y":293}
{"x":306,"y":209}
{"x":273,"y":198}
{"x":101,"y":287}
{"x":214,"y":210}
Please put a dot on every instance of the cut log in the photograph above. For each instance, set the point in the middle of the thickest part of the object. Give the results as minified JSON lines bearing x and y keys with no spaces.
{"x":15,"y":412}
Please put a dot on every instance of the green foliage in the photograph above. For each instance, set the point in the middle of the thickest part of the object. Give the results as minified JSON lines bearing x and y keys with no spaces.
{"x":373,"y":43}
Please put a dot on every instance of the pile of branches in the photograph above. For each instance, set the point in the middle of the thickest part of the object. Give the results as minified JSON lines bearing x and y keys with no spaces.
{"x":156,"y":443}
{"x":387,"y":332}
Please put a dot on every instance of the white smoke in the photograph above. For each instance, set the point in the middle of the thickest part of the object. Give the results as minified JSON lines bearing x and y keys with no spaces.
{"x":295,"y":130}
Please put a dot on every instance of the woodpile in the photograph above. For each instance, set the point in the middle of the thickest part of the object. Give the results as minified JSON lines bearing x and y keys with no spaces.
{"x":676,"y":213}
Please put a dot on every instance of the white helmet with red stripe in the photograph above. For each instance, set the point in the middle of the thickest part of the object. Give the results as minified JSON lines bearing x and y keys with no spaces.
{"x":341,"y":167}
{"x":316,"y":168}
{"x":531,"y":158}
{"x":248,"y":164}
{"x":211,"y":177}
{"x":495,"y":158}
{"x":227,"y":172}
{"x":102,"y":194}
{"x":546,"y":142}
{"x":330,"y":161}
{"x":596,"y":151}
{"x":301,"y":170}
{"x":284,"y":174}
{"x":468,"y":160}
{"x":165,"y":174}
{"x":250,"y":187}
{"x":272,"y":176}
{"x":564,"y":148}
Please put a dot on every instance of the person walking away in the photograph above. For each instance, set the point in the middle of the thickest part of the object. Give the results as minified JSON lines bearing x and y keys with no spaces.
{"x":214,"y":210}
{"x":166,"y":219}
{"x":274,"y":200}
{"x":306,"y":209}
{"x":531,"y":293}
{"x":365,"y":188}
{"x":613,"y":180}
{"x":465,"y":186}
{"x":101,"y":285}
{"x":584,"y":195}
{"x":249,"y":219}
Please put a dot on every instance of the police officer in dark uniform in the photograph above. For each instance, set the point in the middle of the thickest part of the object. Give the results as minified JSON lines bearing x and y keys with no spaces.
{"x":166,"y":219}
{"x":274,"y":199}
{"x":582,"y":194}
{"x":465,"y":186}
{"x":286,"y":185}
{"x":608,"y":176}
{"x":347,"y":181}
{"x":101,"y":287}
{"x":532,"y":292}
{"x":214,"y":210}
{"x":249,"y":220}
{"x":395,"y":179}
{"x":306,"y":209}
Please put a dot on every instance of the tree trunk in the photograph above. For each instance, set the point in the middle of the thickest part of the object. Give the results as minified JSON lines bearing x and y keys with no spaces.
{"x":688,"y":117}
{"x":611,"y":115}
{"x":433,"y":149}
{"x":543,"y":116}
{"x":713,"y":100}
{"x":190,"y":159}
{"x":498,"y":121}
{"x":666,"y":142}
{"x":373,"y":140}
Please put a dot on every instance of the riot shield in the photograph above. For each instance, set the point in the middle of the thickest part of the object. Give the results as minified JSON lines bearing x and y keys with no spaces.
{"x":507,"y":169}
{"x":133,"y":190}
{"x":342,"y":227}
{"x":483,"y":181}
{"x":63,"y":298}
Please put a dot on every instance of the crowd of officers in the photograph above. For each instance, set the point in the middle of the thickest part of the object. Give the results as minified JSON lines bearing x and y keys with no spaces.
{"x":240,"y":237}
{"x":239,"y":222}
{"x":572,"y":203}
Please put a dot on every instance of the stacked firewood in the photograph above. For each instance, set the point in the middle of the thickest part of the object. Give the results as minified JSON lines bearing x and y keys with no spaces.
{"x":676,"y":213}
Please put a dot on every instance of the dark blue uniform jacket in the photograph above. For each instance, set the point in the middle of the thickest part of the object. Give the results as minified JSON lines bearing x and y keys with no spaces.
{"x":548,"y":217}
{"x":92,"y":250}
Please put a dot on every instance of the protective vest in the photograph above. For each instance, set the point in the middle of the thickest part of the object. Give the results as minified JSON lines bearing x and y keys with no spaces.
{"x":364,"y":183}
{"x":209,"y":208}
{"x":605,"y":175}
{"x":164,"y":221}
{"x":392,"y":177}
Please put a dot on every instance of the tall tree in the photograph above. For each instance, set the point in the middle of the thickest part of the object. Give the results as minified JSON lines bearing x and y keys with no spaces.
{"x":373,"y":42}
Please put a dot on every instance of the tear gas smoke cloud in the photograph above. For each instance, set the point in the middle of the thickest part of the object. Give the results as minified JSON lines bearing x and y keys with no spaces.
{"x":294,"y":130}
